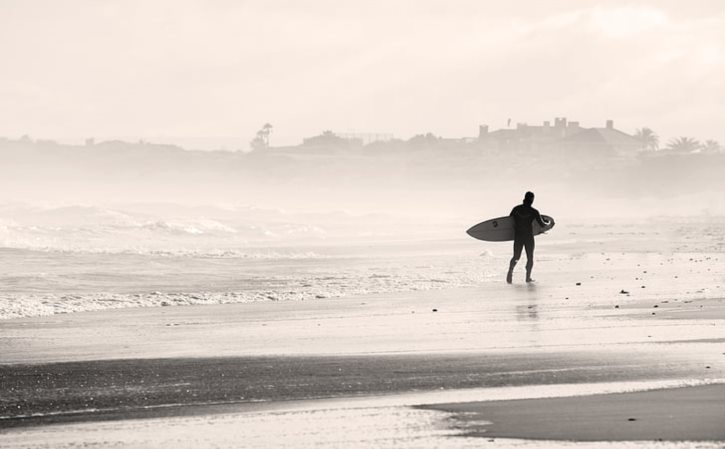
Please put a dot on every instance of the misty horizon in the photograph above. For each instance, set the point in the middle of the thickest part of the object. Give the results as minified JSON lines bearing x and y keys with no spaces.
{"x":440,"y":180}
{"x":233,"y":144}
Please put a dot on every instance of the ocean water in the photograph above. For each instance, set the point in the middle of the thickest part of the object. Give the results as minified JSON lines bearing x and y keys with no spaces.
{"x":60,"y":259}
{"x":47,"y":282}
{"x":78,"y":258}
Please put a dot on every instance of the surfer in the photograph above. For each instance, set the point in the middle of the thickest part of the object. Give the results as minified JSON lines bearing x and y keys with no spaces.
{"x":524,"y":216}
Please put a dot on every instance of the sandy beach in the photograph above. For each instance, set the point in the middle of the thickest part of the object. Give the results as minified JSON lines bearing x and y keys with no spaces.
{"x":534,"y":361}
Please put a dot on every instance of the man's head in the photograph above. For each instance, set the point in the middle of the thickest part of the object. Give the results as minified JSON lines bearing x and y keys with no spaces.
{"x":529,"y":198}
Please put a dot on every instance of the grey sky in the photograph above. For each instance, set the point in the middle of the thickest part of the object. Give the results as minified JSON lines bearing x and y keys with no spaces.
{"x":184,"y":69}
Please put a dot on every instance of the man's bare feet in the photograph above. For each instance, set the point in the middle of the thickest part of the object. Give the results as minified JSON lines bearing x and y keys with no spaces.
{"x":509,"y":277}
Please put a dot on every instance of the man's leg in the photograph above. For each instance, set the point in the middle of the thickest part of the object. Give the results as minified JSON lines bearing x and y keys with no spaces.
{"x":529,"y":245}
{"x":518,"y":246}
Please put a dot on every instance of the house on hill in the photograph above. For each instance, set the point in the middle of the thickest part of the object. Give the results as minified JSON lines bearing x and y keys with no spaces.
{"x":563,"y":135}
{"x":528,"y":137}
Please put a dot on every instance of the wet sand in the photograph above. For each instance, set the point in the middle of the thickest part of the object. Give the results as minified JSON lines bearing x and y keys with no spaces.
{"x":679,"y":414}
{"x":141,"y":388}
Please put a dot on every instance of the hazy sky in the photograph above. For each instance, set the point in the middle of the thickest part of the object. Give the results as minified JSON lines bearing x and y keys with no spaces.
{"x":207,"y":69}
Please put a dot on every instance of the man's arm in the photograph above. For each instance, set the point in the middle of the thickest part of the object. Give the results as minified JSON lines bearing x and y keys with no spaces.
{"x":540,"y":220}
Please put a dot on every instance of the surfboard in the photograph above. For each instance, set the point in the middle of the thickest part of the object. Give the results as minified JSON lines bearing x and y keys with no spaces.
{"x":502,"y":229}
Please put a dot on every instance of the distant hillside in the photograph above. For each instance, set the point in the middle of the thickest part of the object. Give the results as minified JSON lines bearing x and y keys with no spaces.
{"x":369,"y":178}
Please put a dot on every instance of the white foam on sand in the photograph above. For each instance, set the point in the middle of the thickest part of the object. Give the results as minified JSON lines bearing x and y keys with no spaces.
{"x":47,"y":283}
{"x":288,"y":288}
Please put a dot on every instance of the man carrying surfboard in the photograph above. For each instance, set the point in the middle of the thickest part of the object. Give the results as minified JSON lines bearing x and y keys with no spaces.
{"x":524,"y":216}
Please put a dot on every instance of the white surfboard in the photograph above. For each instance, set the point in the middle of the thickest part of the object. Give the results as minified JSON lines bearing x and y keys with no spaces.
{"x":502,"y":229}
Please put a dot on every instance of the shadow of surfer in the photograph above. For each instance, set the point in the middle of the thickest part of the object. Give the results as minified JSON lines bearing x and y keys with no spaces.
{"x":524,"y":216}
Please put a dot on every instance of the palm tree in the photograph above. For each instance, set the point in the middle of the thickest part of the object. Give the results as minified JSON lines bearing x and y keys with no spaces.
{"x":261,"y":140}
{"x":266,"y":131}
{"x":648,"y":138}
{"x":711,"y":146}
{"x":684,"y":145}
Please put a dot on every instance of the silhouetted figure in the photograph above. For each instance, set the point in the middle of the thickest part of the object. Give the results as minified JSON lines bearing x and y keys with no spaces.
{"x":524,"y":216}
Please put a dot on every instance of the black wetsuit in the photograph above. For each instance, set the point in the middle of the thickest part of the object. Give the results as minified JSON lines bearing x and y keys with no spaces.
{"x":524,"y":216}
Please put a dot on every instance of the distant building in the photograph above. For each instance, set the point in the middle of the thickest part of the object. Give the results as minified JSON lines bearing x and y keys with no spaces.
{"x":565,"y":135}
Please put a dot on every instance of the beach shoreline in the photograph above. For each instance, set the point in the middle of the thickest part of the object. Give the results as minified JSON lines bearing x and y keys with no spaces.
{"x":229,"y":363}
